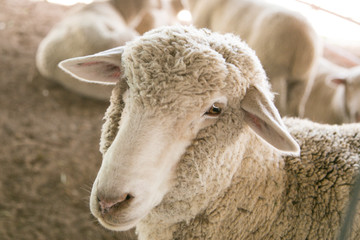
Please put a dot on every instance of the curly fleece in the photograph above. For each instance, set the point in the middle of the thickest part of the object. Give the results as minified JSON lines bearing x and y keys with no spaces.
{"x":229,"y":184}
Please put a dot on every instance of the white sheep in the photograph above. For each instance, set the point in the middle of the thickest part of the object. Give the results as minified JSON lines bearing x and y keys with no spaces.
{"x":93,"y":28}
{"x":335,"y":95}
{"x":284,"y":41}
{"x":97,"y":27}
{"x":194,"y":148}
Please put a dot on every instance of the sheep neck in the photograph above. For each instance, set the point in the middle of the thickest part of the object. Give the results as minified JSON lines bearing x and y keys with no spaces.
{"x":260,"y":182}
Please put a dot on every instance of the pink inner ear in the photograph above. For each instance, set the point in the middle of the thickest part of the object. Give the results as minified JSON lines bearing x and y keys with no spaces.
{"x":255,"y":120}
{"x":103,"y":71}
{"x":88,"y":63}
{"x":338,"y":81}
{"x":93,"y":70}
{"x":114,"y":71}
{"x":116,"y":74}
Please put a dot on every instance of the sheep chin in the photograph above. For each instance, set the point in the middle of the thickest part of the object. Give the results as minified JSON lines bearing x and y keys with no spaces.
{"x":124,"y":226}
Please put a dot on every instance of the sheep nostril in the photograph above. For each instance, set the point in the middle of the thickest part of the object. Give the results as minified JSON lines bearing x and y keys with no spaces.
{"x":107,"y":205}
{"x":128,"y":197}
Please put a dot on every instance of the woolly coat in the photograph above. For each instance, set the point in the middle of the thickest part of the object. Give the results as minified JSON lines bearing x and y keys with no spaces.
{"x":269,"y":196}
{"x":230,"y":184}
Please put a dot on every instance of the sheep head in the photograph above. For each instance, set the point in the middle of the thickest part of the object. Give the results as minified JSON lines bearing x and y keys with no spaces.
{"x":183,"y":97}
{"x":349,"y":82}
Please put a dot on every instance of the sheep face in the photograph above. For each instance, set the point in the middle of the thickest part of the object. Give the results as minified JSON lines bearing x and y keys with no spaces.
{"x":348,"y":85}
{"x":142,"y":159}
{"x":188,"y":95}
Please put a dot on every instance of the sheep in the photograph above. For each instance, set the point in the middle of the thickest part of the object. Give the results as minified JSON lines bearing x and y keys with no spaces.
{"x":285,"y":42}
{"x":335,"y":96}
{"x":194,"y":148}
{"x":93,"y":28}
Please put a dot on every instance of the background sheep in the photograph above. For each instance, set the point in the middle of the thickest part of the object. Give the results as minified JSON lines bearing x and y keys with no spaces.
{"x":179,"y":158}
{"x":284,"y":41}
{"x":93,"y":28}
{"x":47,"y":135}
{"x":335,"y":96}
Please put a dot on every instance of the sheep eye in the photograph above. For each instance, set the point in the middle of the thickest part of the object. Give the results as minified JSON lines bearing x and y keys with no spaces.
{"x":214,"y":110}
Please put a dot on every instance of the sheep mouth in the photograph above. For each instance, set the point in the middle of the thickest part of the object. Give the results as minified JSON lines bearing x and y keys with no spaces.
{"x":111,"y":224}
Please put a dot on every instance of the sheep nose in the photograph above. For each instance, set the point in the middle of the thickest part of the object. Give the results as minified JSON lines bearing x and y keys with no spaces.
{"x":107,"y":205}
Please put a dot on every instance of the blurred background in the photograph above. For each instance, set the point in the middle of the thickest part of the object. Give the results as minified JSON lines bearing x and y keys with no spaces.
{"x":336,"y":21}
{"x":49,"y":134}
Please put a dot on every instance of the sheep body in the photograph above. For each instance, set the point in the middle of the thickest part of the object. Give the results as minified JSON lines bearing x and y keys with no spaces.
{"x":334,"y":97}
{"x":213,"y":179}
{"x":284,"y":41}
{"x":269,"y":197}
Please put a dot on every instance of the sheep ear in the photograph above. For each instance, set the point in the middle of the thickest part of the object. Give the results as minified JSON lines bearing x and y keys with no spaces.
{"x":263,"y":117}
{"x":103,"y":67}
{"x":338,"y":81}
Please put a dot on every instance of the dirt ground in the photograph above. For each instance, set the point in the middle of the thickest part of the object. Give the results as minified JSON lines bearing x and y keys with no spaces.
{"x":48,"y":137}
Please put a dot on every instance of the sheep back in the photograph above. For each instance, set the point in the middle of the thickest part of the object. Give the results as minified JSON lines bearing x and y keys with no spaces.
{"x":319,"y":182}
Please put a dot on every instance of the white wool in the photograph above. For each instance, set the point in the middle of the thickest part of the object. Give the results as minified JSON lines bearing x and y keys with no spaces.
{"x":194,"y":148}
